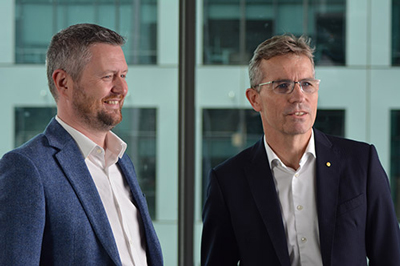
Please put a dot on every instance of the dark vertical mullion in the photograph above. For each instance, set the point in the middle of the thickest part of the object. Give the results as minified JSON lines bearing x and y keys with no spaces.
{"x":187,"y":31}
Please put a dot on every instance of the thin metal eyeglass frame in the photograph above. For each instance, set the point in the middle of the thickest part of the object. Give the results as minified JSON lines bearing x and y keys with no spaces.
{"x":258,"y":87}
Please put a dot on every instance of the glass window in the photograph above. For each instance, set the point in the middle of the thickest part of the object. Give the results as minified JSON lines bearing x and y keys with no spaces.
{"x":137,"y":129}
{"x":331,"y":121}
{"x":233,"y":28}
{"x":395,"y":159}
{"x":30,"y":121}
{"x":395,"y":32}
{"x":226,"y":132}
{"x":135,"y":20}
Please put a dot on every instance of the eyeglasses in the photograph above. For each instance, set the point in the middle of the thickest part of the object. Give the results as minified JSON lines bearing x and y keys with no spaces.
{"x":308,"y":86}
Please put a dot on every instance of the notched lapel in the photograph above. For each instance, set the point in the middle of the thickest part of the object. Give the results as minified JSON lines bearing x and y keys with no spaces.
{"x":153,"y":245}
{"x":76,"y":171}
{"x":328,"y":177}
{"x":262,"y":186}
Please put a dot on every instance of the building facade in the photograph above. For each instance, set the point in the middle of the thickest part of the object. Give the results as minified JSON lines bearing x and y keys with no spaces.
{"x":357,"y":59}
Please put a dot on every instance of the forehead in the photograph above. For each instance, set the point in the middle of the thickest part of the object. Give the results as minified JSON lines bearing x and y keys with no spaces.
{"x":288,"y":66}
{"x":106,"y":54}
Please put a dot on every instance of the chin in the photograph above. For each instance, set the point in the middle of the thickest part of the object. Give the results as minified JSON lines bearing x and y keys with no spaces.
{"x":109,"y":120}
{"x":299,"y":131}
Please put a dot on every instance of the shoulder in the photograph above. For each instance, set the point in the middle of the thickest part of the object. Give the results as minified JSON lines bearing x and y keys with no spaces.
{"x":43,"y":146}
{"x":28,"y":161}
{"x":345,"y":149}
{"x":31,"y":148}
{"x":340,"y":143}
{"x":243,"y":158}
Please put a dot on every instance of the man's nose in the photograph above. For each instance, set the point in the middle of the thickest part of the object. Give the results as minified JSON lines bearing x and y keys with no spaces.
{"x":297,"y":94}
{"x":120,"y":85}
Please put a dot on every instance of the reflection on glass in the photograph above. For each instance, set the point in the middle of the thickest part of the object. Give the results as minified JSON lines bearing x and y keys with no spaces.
{"x":233,"y":29}
{"x":137,"y":129}
{"x":228,"y":131}
{"x":395,"y":159}
{"x":135,"y":20}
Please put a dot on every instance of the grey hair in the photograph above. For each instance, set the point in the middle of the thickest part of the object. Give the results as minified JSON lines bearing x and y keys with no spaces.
{"x":69,"y":50}
{"x":275,"y":46}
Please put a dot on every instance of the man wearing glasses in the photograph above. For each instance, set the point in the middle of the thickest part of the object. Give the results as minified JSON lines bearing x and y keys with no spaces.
{"x":298,"y":196}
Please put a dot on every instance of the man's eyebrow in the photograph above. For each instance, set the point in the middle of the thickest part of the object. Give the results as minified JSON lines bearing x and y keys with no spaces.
{"x":113,"y":71}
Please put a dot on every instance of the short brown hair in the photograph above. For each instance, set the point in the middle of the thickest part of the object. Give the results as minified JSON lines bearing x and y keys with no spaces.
{"x":69,"y":49}
{"x":275,"y":46}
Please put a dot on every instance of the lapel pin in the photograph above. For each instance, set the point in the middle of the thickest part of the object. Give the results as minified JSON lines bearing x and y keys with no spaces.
{"x":328,"y":164}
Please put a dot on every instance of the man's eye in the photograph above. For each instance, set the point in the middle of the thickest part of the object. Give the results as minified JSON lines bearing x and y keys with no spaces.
{"x":306,"y":84}
{"x":282,"y":87}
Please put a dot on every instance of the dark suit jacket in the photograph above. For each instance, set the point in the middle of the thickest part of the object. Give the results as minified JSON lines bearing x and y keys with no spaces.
{"x":242,"y":216}
{"x":51,"y":212}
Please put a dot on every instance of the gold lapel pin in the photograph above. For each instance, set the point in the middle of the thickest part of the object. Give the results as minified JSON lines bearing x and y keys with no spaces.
{"x":328,"y":164}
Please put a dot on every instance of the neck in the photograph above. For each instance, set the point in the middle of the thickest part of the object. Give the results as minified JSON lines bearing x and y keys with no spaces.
{"x":290,"y":148}
{"x":97,"y":136}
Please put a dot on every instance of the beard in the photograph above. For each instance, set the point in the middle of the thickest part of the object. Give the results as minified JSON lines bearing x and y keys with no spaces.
{"x":93,"y":114}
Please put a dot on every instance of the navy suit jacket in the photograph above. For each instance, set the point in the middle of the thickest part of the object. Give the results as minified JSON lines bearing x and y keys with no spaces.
{"x":242,"y":216}
{"x":51,"y":212}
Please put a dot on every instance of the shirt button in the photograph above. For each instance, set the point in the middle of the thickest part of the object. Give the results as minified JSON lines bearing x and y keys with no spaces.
{"x":99,"y":151}
{"x":303,"y":239}
{"x":296,"y":175}
{"x":299,"y":207}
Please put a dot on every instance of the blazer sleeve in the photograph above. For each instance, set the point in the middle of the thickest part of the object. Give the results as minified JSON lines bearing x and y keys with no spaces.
{"x":218,"y":245}
{"x":382,"y":232}
{"x":22,"y":211}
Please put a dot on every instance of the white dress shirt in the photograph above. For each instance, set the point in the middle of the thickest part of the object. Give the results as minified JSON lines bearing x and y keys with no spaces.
{"x":296,"y":191}
{"x":115,"y":194}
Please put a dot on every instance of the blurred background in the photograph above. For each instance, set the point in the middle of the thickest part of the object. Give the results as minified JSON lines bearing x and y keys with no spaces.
{"x":357,"y":58}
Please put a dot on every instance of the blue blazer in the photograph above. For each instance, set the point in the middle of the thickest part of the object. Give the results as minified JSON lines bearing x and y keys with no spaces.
{"x":242,"y":216}
{"x":51,"y":212}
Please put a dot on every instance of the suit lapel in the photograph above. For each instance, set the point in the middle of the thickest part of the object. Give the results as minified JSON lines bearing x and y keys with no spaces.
{"x":75,"y":169}
{"x":262,"y":186}
{"x":153,"y":247}
{"x":328,"y":177}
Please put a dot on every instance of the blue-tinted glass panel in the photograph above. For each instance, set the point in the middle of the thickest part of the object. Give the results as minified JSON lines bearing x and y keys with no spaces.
{"x":396,"y":32}
{"x":38,"y":20}
{"x":395,"y":159}
{"x":139,"y":130}
{"x":233,"y":29}
{"x":331,"y":121}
